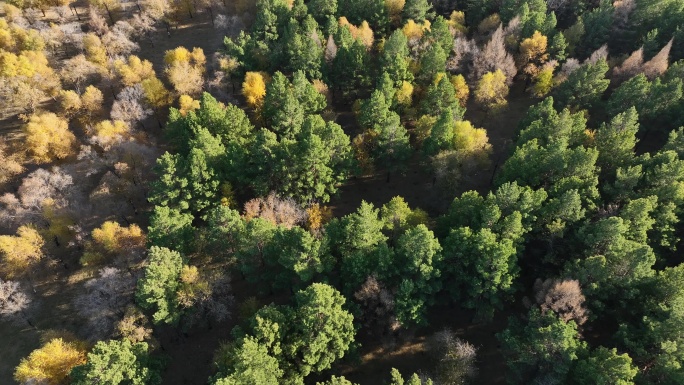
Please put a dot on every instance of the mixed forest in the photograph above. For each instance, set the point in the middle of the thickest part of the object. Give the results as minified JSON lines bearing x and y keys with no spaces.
{"x":341,"y":192}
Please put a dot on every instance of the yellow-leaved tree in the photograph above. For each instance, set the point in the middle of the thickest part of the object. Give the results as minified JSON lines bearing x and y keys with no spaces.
{"x":111,"y":240}
{"x":20,"y":252}
{"x":185,"y":69}
{"x":543,"y":81}
{"x":254,"y":89}
{"x":461,"y":89}
{"x":51,"y":363}
{"x":492,"y":90}
{"x":414,"y":31}
{"x":394,"y":8}
{"x":133,"y":71}
{"x":472,"y":142}
{"x":186,"y":104}
{"x":533,"y":54}
{"x":363,"y":32}
{"x":48,"y":137}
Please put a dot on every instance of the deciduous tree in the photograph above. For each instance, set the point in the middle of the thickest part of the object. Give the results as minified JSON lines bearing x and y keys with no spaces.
{"x":51,"y":363}
{"x":48,"y":137}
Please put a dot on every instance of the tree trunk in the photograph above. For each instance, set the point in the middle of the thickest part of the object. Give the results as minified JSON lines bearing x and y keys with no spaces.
{"x":111,"y":18}
{"x":76,"y":11}
{"x":211,"y":13}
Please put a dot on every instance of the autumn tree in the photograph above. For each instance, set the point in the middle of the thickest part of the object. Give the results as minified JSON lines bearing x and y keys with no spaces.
{"x":185,"y":69}
{"x":455,"y":357}
{"x":133,"y":70}
{"x":104,"y":300}
{"x":129,"y":105}
{"x":22,"y":251}
{"x":533,"y":54}
{"x":492,"y":90}
{"x":563,"y":297}
{"x":51,"y":363}
{"x":48,"y":137}
{"x":494,"y":57}
{"x":659,"y":63}
{"x":254,"y":89}
{"x":13,"y":300}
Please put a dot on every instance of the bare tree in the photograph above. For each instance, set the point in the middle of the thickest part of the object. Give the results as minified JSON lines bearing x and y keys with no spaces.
{"x":118,"y":41}
{"x":633,"y":65}
{"x":378,"y":308}
{"x":456,"y":359}
{"x":14,"y":302}
{"x":281,"y":211}
{"x":208,"y":297}
{"x":563,"y":297}
{"x":462,"y":54}
{"x":96,"y":22}
{"x":42,"y":184}
{"x":129,"y":106}
{"x":78,"y":72}
{"x":599,"y":54}
{"x":330,"y":49}
{"x":659,"y":63}
{"x":105,"y":300}
{"x":135,"y":326}
{"x":623,"y":9}
{"x":494,"y":56}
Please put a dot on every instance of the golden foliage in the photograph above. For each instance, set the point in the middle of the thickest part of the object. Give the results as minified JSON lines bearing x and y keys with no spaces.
{"x":181,"y":55}
{"x":21,"y":251}
{"x":424,"y":127}
{"x":48,"y":137}
{"x":185,"y":69}
{"x":543,"y":82}
{"x":489,"y":24}
{"x":51,"y":363}
{"x":470,"y":140}
{"x":11,"y":164}
{"x":404,"y":94}
{"x":363,"y":145}
{"x":254,"y":89}
{"x":228,"y":195}
{"x":461,"y":89}
{"x":415,"y":31}
{"x":394,"y":8}
{"x":533,"y":54}
{"x":26,"y":63}
{"x":111,"y":129}
{"x":322,"y":89}
{"x":60,"y":224}
{"x":187,"y":104}
{"x":133,"y":71}
{"x":318,"y":216}
{"x":134,"y":326}
{"x":492,"y":89}
{"x":457,"y":23}
{"x":91,"y":101}
{"x":94,"y":49}
{"x":156,"y":94}
{"x":189,"y":274}
{"x":363,"y":32}
{"x":111,"y":239}
{"x":69,"y":102}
